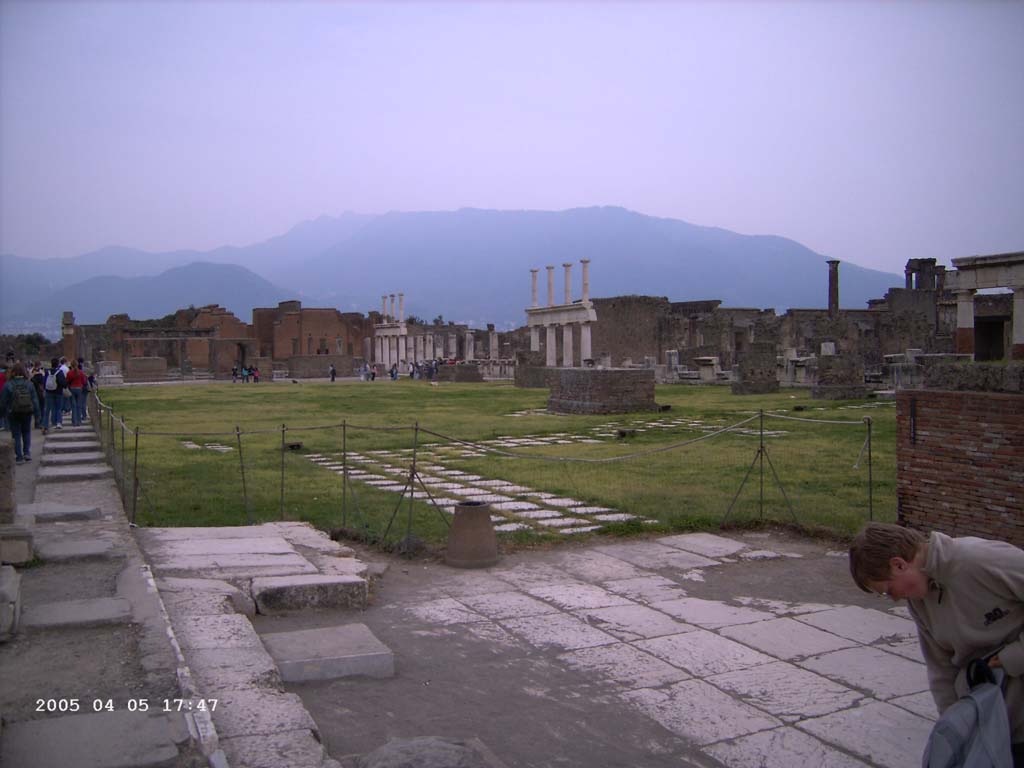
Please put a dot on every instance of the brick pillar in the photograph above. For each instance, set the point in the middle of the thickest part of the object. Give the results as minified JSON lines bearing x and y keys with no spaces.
{"x":833,"y":288}
{"x":1017,"y":343}
{"x":965,"y":322}
{"x":567,"y":360}
{"x":551,"y":357}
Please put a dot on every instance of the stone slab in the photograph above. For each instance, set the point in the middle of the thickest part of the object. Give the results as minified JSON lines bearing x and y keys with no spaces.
{"x":506,"y":605}
{"x":624,"y":665}
{"x":16,"y":544}
{"x":593,"y":566}
{"x":780,"y":748}
{"x":329,"y":653}
{"x":788,"y":692}
{"x":633,"y":622}
{"x":922,"y":704}
{"x":256,"y":545}
{"x":118,"y":739}
{"x":199,"y":596}
{"x":879,"y":732}
{"x":884,"y":675}
{"x":74,"y":474}
{"x":558,"y":631}
{"x":278,"y":594}
{"x":786,"y":638}
{"x":78,"y":613}
{"x":227,"y":631}
{"x":710,"y":614}
{"x":66,"y":459}
{"x":862,"y":624}
{"x":68,"y":550}
{"x":653,"y":555}
{"x":50,"y":512}
{"x":703,"y":653}
{"x":234,"y":668}
{"x":706,"y":544}
{"x":259,"y":711}
{"x":699,"y":712}
{"x":576,"y":596}
{"x":646,"y":589}
{"x":295,"y":749}
{"x":71,"y":446}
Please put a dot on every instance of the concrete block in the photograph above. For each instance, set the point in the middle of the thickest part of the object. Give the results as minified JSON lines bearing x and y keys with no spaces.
{"x":15,"y":544}
{"x":289,"y":593}
{"x":119,"y":739}
{"x":74,"y":473}
{"x":49,"y":512}
{"x":67,"y":459}
{"x":78,"y":613}
{"x":329,"y":653}
{"x":69,"y":549}
{"x":10,"y":602}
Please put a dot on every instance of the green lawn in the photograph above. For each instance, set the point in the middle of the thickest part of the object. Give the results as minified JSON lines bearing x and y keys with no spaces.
{"x":687,"y":487}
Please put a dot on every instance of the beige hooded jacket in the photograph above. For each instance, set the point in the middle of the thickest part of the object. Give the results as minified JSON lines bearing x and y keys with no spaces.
{"x":974,"y":608}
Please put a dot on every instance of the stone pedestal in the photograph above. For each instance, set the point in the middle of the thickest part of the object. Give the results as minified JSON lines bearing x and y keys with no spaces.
{"x":7,"y":502}
{"x":472,"y":542}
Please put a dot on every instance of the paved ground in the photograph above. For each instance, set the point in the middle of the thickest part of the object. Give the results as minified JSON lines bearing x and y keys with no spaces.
{"x":749,"y":649}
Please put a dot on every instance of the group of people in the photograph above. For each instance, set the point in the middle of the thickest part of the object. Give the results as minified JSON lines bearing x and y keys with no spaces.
{"x":247,"y":373}
{"x":35,"y":395}
{"x":416,"y":370}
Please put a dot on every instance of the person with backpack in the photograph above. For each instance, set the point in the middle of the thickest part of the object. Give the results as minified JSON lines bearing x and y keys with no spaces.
{"x":77,"y":383}
{"x":54,"y":386}
{"x":38,"y":378}
{"x":19,"y":403}
{"x":966,"y":596}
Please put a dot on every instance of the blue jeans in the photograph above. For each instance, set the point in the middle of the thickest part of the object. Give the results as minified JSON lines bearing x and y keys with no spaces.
{"x":83,"y":410}
{"x":54,"y":409}
{"x":21,"y":431}
{"x":76,"y":400}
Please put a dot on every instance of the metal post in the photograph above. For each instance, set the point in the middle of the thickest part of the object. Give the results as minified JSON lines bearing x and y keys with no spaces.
{"x":111,"y":444}
{"x":241,"y":466}
{"x":344,"y":473}
{"x":282,"y":470}
{"x":412,"y":478}
{"x":871,"y":500}
{"x":124,"y":475}
{"x":135,"y":477}
{"x":760,"y":452}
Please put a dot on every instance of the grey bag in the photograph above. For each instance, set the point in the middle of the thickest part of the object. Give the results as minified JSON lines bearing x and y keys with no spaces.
{"x":975,"y":731}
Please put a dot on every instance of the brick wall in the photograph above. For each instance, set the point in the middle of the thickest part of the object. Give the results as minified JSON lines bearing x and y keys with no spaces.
{"x":960,"y":462}
{"x":591,"y":390}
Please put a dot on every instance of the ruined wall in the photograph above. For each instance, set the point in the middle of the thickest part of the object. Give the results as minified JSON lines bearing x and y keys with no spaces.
{"x":593,"y":390}
{"x":316,"y":366}
{"x":627,"y":327}
{"x":757,"y":370}
{"x":960,"y":463}
{"x":146,"y":369}
{"x":463,"y":372}
{"x":530,"y":372}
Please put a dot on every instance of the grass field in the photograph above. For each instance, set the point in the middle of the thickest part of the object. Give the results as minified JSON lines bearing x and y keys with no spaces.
{"x":687,"y":487}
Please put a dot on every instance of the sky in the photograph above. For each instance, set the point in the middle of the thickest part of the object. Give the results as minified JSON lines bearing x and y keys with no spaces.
{"x":871,"y":132}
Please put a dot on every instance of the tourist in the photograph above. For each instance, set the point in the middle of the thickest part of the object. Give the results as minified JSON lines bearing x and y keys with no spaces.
{"x":966,"y":596}
{"x":332,"y":371}
{"x":54,"y":385}
{"x":65,"y":403}
{"x":255,"y":375}
{"x":394,"y":372}
{"x":19,"y":403}
{"x":76,"y":386}
{"x":38,"y":378}
{"x":234,"y":374}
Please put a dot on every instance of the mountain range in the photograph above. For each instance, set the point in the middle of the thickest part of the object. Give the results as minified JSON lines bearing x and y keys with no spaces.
{"x":468,"y":265}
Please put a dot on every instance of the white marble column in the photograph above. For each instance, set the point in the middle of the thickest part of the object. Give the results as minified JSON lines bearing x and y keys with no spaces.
{"x":567,"y":345}
{"x":586,"y":282}
{"x":585,"y":353}
{"x":393,"y":315}
{"x":428,"y":351}
{"x":493,"y":343}
{"x":535,"y":338}
{"x":551,"y":286}
{"x":417,"y":345}
{"x":378,"y":349}
{"x":470,"y":352}
{"x":383,"y":309}
{"x":533,"y":287}
{"x":568,"y":282}
{"x":965,"y":322}
{"x":551,"y":357}
{"x":452,"y":349}
{"x":401,"y":307}
{"x":403,"y":346}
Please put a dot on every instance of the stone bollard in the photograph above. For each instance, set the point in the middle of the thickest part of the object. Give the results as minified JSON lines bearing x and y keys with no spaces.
{"x":8,"y":506}
{"x":472,"y":542}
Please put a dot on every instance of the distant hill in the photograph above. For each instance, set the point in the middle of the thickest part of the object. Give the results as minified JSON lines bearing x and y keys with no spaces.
{"x":229,"y":285}
{"x":469,"y":265}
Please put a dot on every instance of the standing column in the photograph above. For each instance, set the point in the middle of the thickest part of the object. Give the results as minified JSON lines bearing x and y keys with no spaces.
{"x":965,"y":322}
{"x":428,"y":351}
{"x":392,"y":308}
{"x":533,"y":287}
{"x":908,"y":277}
{"x":833,"y":288}
{"x":492,"y":342}
{"x":567,"y":345}
{"x":585,"y":353}
{"x":586,"y":283}
{"x":403,"y":345}
{"x":551,"y":359}
{"x":535,"y":338}
{"x":568,"y":282}
{"x":1017,"y":342}
{"x":551,"y":286}
{"x":401,"y":307}
{"x":383,"y":309}
{"x":417,"y":348}
{"x":470,"y":354}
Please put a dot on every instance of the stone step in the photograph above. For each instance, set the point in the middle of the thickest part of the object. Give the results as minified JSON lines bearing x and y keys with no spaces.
{"x":68,"y":550}
{"x":73,"y":446}
{"x":278,"y":594}
{"x":119,"y":739}
{"x":329,"y":653}
{"x":94,"y":612}
{"x":10,"y":601}
{"x":67,"y":429}
{"x":67,"y":459}
{"x":49,"y":512}
{"x":74,"y":473}
{"x":15,"y":544}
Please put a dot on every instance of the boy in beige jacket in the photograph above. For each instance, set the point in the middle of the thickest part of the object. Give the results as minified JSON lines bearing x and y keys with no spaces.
{"x":966,"y":596}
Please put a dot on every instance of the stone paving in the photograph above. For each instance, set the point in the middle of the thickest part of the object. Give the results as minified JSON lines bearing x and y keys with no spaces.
{"x":748,"y":680}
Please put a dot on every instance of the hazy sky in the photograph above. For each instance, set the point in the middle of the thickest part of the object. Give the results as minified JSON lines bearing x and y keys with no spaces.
{"x":870,"y":132}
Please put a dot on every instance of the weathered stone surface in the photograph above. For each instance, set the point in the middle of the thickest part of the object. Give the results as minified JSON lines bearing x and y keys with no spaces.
{"x":259,"y":711}
{"x":291,"y":593}
{"x":70,"y":446}
{"x":295,"y":749}
{"x":591,"y":390}
{"x":118,"y":739}
{"x":234,"y":668}
{"x":78,"y":613}
{"x":880,"y":732}
{"x":425,"y":752}
{"x":706,"y":544}
{"x":229,"y":631}
{"x":74,"y":473}
{"x":178,"y":590}
{"x":68,"y":550}
{"x":10,"y":602}
{"x":7,"y":501}
{"x":15,"y":544}
{"x":50,"y":512}
{"x":329,"y":653}
{"x":69,"y":459}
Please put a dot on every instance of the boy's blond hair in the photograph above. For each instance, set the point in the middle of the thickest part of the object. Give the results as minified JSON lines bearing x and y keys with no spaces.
{"x":876,"y":545}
